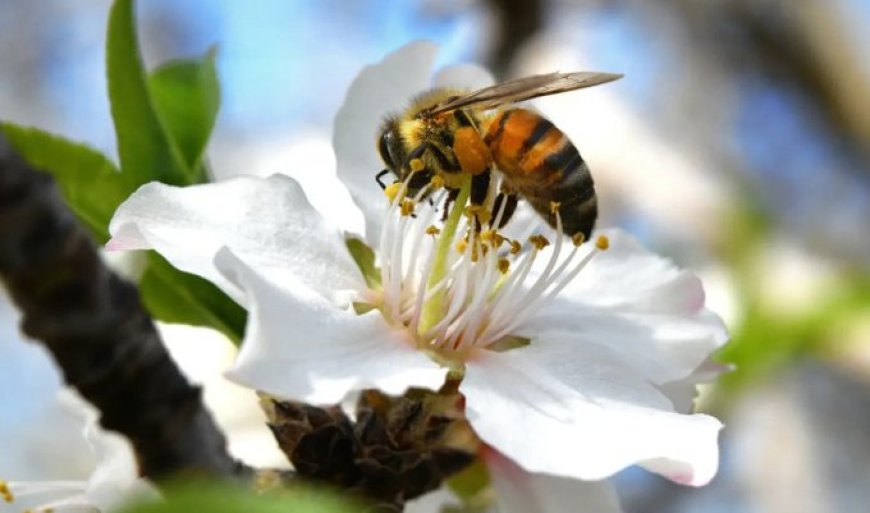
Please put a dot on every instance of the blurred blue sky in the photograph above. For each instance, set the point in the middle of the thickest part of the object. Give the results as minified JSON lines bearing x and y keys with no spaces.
{"x":283,"y":65}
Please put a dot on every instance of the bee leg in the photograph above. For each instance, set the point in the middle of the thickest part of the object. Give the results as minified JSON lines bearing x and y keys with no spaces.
{"x":452,"y":194}
{"x":379,"y":178}
{"x":479,"y":188}
{"x":506,"y":203}
{"x":419,"y":179}
{"x":479,"y":191}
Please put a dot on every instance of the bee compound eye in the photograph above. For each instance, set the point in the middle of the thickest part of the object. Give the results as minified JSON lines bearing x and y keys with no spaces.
{"x":384,"y":142}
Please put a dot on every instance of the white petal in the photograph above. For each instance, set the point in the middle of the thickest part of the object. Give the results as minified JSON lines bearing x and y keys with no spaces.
{"x":518,"y":491}
{"x":299,"y":346}
{"x":380,"y":89}
{"x":584,"y":419}
{"x":629,"y":277}
{"x":115,"y":479}
{"x":660,"y":347}
{"x":266,"y":222}
{"x":637,"y":305}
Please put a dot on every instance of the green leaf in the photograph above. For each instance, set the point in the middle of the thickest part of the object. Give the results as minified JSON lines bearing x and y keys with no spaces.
{"x":186,"y":94}
{"x":767,"y":340}
{"x":89,"y":182}
{"x":145,"y":147}
{"x":227,"y":498}
{"x":364,"y":257}
{"x":175,"y":296}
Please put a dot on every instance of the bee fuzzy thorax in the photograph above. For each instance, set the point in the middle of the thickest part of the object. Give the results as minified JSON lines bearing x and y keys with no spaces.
{"x":455,"y":285}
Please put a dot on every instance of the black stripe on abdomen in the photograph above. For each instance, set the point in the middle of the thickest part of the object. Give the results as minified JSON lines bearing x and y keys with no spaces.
{"x":575,"y":185}
{"x":567,"y":159}
{"x":490,"y":138}
{"x":538,"y":133}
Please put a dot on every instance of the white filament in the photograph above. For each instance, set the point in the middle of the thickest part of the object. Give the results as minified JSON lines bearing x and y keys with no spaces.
{"x":481,"y":304}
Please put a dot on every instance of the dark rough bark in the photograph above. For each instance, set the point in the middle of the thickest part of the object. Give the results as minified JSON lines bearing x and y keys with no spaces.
{"x":93,"y":324}
{"x":519,"y":21}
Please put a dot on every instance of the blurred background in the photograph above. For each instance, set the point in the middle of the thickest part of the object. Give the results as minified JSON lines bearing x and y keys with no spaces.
{"x":738,"y":144}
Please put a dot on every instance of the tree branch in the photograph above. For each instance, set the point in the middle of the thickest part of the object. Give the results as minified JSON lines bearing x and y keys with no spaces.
{"x":93,"y":324}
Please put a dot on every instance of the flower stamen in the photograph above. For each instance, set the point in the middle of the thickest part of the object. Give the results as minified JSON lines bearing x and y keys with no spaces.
{"x":72,"y":493}
{"x":392,"y":191}
{"x":461,"y":288}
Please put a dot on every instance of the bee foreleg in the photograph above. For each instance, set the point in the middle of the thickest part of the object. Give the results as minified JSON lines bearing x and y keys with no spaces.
{"x":379,"y":178}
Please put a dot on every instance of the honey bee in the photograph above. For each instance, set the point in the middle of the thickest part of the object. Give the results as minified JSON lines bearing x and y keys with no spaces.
{"x":448,"y":132}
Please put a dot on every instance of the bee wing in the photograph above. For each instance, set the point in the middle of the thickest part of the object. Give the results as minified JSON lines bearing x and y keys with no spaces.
{"x":526,"y":88}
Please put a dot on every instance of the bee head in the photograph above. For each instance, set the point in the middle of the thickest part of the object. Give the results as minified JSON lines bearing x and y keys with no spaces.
{"x":390,"y":146}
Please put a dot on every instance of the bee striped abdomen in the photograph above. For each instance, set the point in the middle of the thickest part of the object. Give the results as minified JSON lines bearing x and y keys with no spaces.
{"x":544,"y":166}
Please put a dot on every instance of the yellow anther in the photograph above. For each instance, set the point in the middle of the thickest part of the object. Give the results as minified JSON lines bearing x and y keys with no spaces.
{"x":392,"y":191}
{"x":539,"y":241}
{"x":515,"y":247}
{"x":436,"y":182}
{"x":487,"y":236}
{"x":578,"y":238}
{"x":5,"y":492}
{"x":433,"y":230}
{"x":408,"y":207}
{"x":503,"y":265}
{"x":461,"y":246}
{"x":602,"y":242}
{"x":416,"y":165}
{"x":497,"y":239}
{"x":554,"y":207}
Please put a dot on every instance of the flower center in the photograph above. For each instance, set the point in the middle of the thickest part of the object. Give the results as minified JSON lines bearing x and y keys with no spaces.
{"x":459,"y":283}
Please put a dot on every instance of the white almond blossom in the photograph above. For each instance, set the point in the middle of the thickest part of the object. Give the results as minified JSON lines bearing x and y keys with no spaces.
{"x":114,"y":481}
{"x":564,"y":351}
